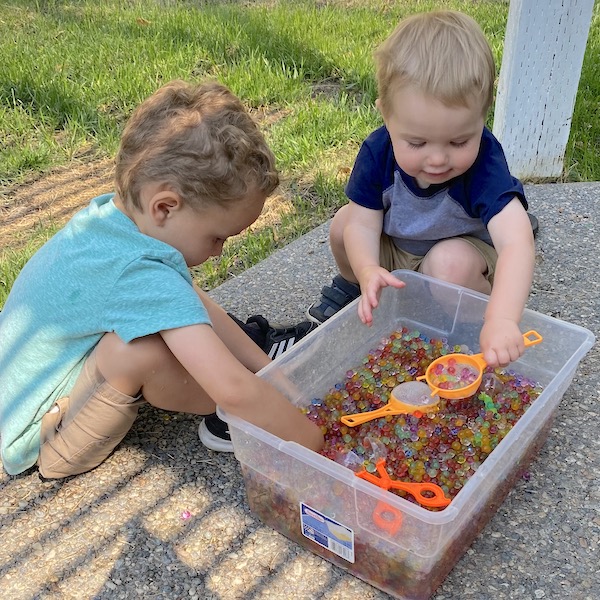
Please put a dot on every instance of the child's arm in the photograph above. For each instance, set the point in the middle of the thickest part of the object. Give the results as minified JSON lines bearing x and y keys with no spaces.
{"x":501,"y":339}
{"x":362,"y":236}
{"x":236,"y":340}
{"x":236,"y":389}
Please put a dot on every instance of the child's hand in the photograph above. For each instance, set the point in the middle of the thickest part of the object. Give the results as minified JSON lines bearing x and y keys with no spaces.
{"x":372,"y":280}
{"x":501,"y":341}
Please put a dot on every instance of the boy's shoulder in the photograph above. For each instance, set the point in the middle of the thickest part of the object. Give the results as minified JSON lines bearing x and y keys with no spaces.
{"x":490,"y":162}
{"x":376,"y":152}
{"x":489,"y":142}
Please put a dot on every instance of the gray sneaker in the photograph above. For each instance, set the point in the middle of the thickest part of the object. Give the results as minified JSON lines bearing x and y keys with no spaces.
{"x":333,"y":298}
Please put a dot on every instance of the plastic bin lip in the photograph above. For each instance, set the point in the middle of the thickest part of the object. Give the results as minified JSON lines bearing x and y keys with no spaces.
{"x":405,"y":274}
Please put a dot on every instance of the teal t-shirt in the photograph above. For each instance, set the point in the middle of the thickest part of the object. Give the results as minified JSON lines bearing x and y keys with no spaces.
{"x":99,"y":274}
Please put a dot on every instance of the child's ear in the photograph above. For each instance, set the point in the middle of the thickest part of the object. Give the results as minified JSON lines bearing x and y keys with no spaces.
{"x":163,"y":205}
{"x":379,"y":110}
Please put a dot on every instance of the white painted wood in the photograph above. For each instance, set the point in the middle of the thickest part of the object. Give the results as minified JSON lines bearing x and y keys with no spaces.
{"x":543,"y":53}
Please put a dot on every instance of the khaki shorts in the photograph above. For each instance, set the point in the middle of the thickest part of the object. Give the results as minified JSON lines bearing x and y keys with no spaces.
{"x":391,"y":257}
{"x":81,"y":430}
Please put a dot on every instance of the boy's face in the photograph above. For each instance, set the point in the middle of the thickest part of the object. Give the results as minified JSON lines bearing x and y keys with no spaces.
{"x":433,"y":142}
{"x":198,"y":235}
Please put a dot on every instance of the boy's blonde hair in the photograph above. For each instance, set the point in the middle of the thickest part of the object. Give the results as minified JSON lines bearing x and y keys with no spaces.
{"x":443,"y":54}
{"x":200,"y":140}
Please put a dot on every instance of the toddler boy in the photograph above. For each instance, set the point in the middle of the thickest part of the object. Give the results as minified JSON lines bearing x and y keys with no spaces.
{"x":430,"y":190}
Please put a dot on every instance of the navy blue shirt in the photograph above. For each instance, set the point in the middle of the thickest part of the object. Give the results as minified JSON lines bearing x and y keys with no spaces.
{"x":416,"y":219}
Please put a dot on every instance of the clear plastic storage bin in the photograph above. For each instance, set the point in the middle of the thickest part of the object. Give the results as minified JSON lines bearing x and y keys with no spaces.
{"x":327,"y":509}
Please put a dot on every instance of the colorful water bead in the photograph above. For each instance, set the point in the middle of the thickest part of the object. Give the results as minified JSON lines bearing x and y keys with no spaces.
{"x":446,"y":447}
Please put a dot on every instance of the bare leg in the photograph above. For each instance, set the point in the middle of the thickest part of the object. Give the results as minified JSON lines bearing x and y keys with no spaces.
{"x":336,"y":242}
{"x":458,"y":262}
{"x":147,"y":365}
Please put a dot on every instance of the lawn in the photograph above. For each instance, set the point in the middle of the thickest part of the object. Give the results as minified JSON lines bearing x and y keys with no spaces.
{"x":72,"y":72}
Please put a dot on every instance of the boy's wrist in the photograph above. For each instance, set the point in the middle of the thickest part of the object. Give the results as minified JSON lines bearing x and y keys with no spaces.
{"x":487,"y":319}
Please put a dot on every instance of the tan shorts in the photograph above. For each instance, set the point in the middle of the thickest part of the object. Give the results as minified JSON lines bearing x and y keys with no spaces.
{"x":391,"y":257}
{"x":81,"y":430}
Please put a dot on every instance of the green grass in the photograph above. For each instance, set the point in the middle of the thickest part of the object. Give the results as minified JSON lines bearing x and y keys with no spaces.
{"x":72,"y":72}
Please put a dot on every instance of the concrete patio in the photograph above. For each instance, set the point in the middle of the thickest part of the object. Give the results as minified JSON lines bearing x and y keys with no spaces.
{"x":166,"y":518}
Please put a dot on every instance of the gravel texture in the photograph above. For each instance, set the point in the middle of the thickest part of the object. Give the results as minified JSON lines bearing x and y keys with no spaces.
{"x":165,"y":518}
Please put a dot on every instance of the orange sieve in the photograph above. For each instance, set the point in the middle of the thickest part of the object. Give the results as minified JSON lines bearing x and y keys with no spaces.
{"x":407,"y":398}
{"x":456,"y":376}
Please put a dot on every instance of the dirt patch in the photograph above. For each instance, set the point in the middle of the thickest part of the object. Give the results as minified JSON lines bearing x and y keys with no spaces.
{"x":55,"y":197}
{"x":50,"y":200}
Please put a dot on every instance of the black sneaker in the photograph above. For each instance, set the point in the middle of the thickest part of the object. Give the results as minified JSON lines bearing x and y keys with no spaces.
{"x":535,"y":224}
{"x":214,"y":434}
{"x":333,"y":298}
{"x":274,"y":339}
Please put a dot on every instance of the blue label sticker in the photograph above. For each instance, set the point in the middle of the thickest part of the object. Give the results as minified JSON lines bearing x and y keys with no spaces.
{"x":327,"y":533}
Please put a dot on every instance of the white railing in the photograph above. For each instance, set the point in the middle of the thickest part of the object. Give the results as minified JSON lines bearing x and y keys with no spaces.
{"x":544,"y":46}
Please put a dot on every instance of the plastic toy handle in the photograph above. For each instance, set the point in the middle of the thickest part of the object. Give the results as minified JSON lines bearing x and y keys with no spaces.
{"x":418,"y":491}
{"x":537,"y":338}
{"x":360,"y":418}
{"x":527,"y":339}
{"x":387,"y":518}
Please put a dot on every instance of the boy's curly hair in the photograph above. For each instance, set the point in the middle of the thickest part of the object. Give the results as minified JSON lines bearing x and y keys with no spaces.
{"x":201,"y":141}
{"x":443,"y":54}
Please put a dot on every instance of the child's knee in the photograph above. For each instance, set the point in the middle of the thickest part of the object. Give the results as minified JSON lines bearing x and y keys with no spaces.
{"x":336,"y":229}
{"x":453,"y":261}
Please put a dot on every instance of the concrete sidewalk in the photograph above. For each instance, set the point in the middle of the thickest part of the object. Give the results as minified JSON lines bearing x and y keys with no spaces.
{"x":165,"y":518}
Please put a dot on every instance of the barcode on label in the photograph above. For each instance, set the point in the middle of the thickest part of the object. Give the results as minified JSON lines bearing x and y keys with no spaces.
{"x":341,"y":550}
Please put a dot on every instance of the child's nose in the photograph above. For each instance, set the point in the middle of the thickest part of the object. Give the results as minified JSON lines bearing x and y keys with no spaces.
{"x":438,"y":157}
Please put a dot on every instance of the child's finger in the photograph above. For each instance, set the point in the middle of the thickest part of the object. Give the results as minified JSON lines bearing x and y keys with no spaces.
{"x":364,"y":311}
{"x":395,"y":282}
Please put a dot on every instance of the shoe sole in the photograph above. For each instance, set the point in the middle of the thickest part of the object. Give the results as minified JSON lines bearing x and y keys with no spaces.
{"x":211,"y":441}
{"x":311,"y":318}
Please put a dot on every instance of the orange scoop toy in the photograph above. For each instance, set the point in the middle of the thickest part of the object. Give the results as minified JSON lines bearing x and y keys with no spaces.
{"x":417,"y":490}
{"x":456,"y":376}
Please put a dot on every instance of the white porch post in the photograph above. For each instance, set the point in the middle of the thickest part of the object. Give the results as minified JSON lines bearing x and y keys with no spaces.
{"x":543,"y":53}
